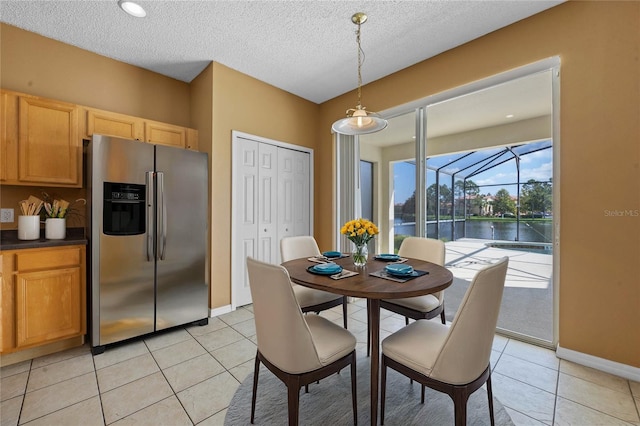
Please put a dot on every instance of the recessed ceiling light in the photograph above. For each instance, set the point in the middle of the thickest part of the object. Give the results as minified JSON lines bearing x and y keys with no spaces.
{"x":509,"y":116}
{"x":133,"y":9}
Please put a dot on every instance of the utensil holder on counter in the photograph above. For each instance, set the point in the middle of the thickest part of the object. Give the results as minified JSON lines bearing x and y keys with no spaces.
{"x":55,"y":228}
{"x":28,"y":227}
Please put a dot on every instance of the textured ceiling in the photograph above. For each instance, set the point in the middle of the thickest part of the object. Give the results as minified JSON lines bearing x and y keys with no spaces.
{"x":304,"y":47}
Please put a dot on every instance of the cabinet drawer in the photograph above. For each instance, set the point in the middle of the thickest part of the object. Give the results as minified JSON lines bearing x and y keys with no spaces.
{"x":47,"y":259}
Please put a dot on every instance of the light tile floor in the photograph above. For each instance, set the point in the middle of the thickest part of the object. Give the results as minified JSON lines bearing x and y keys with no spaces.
{"x":188,"y":376}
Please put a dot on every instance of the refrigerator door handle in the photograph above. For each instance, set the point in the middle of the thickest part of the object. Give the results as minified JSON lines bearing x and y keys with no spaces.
{"x":162,"y":220}
{"x":150,"y":216}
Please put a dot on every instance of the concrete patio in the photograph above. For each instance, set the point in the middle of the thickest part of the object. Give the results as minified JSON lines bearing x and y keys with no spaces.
{"x":527,"y":302}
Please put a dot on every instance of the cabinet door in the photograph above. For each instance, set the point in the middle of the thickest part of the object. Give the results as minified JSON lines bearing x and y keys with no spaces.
{"x":48,"y":305}
{"x":6,"y":304}
{"x":50,"y":151}
{"x":165,"y":134}
{"x":113,"y":124}
{"x":192,"y":139}
{"x":8,"y":137}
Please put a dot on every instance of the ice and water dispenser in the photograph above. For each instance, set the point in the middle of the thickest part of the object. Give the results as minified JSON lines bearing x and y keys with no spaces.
{"x":124,"y":209}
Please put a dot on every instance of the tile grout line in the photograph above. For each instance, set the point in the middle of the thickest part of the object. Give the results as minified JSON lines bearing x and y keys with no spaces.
{"x":24,"y":395}
{"x":167,"y":380}
{"x":95,"y":372}
{"x":555,"y":400}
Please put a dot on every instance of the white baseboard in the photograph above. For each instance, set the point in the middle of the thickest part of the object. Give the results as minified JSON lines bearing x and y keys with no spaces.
{"x":611,"y":367}
{"x":219,"y":311}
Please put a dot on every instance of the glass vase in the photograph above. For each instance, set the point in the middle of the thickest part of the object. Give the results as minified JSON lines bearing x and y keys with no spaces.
{"x":360,"y":254}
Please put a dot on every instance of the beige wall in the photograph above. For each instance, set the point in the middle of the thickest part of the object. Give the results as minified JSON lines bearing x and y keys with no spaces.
{"x":598,"y":43}
{"x":44,"y":67}
{"x":245,"y":104}
{"x":202,"y":119}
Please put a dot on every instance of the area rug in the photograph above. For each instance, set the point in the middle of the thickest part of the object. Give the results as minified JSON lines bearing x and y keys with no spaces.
{"x":329,"y":402}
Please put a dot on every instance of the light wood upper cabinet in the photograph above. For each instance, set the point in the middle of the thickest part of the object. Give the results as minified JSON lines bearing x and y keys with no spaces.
{"x":41,"y":139}
{"x":129,"y":127}
{"x":192,"y":139}
{"x":43,"y":296}
{"x":114,"y":124}
{"x":49,"y":146}
{"x":8,"y":137}
{"x":165,"y":134}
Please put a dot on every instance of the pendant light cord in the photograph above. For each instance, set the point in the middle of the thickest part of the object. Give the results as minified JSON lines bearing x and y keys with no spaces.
{"x":360,"y":60}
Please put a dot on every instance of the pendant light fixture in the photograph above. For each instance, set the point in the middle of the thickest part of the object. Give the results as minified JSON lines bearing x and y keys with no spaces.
{"x":359,"y":121}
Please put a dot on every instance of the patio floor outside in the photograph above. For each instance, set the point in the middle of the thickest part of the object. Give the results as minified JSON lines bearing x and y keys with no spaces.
{"x":527,"y":301}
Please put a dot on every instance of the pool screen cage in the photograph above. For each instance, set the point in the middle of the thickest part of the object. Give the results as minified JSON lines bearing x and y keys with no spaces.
{"x":449,"y":169}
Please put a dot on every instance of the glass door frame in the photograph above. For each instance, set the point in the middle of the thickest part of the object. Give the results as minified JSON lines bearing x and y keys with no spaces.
{"x":421,"y":141}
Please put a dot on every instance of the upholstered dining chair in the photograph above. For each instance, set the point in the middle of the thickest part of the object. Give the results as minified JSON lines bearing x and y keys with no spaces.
{"x":421,"y":307}
{"x":298,"y":349}
{"x":454,"y":358}
{"x":310,"y":300}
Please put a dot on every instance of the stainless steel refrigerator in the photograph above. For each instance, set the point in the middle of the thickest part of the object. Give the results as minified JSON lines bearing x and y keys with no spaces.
{"x":148,"y":207}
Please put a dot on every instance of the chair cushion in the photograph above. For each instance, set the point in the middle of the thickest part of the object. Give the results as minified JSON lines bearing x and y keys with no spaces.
{"x":417,"y":345}
{"x":332,"y":342}
{"x":308,"y":296}
{"x":424,"y":303}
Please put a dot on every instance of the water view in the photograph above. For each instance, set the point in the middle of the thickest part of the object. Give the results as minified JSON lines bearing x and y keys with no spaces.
{"x":504,"y":230}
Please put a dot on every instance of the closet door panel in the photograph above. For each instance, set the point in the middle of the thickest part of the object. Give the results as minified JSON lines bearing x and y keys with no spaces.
{"x":267,"y":205}
{"x":247,"y":185}
{"x":301,"y":194}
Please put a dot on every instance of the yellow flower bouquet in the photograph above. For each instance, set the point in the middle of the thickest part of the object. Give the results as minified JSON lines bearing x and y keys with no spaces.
{"x":360,"y":231}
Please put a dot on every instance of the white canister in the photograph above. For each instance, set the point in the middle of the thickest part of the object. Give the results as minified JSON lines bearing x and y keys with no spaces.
{"x":55,"y":228}
{"x":28,"y":227}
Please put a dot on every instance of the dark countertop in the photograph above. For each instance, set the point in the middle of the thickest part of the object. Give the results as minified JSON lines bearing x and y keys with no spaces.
{"x":9,"y":240}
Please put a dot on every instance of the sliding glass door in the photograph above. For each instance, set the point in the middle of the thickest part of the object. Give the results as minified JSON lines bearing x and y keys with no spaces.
{"x":474,"y":167}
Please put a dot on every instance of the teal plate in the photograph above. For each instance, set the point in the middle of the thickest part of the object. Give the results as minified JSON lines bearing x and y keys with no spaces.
{"x":321,"y":269}
{"x":331,"y":254}
{"x":388,"y":257}
{"x":399,"y":270}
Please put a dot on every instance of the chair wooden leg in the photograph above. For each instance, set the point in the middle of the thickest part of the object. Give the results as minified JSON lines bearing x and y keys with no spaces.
{"x":460,"y":407}
{"x":422,"y":395}
{"x":490,"y":395}
{"x":354,"y":393}
{"x":406,"y":320}
{"x":256,"y":369}
{"x":293,"y":397}
{"x":344,"y":311}
{"x":444,"y":321}
{"x":383,"y":388}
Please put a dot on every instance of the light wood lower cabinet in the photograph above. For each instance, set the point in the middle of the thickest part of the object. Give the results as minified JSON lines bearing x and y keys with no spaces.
{"x":43,"y":296}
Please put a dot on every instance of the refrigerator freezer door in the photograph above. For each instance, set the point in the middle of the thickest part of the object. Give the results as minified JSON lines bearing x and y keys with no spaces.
{"x":182,"y":284}
{"x":122,"y":276}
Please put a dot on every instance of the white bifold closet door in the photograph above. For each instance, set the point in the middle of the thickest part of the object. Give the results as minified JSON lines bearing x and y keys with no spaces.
{"x":272,"y":201}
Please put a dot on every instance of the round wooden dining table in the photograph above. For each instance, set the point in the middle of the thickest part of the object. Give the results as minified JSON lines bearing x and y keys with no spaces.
{"x":372,"y":288}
